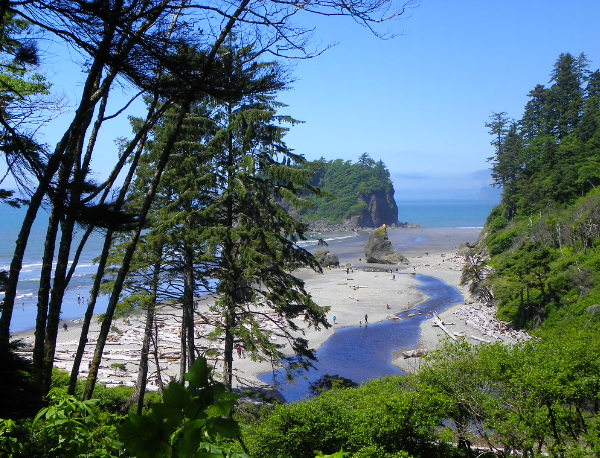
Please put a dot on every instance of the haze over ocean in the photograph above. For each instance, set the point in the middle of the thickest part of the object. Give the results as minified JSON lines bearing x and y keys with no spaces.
{"x":426,"y":213}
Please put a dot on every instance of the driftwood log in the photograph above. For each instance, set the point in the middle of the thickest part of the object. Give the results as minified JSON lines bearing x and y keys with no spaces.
{"x":416,"y":353}
{"x":437,"y":321}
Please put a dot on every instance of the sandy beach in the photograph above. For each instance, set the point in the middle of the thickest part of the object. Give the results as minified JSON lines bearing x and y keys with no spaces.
{"x":363,"y":289}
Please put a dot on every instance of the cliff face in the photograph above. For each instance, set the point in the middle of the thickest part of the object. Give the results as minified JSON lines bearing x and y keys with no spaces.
{"x":380,"y":209}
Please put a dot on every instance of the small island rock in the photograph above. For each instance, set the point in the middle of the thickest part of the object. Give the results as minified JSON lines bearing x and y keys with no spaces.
{"x":379,"y":250}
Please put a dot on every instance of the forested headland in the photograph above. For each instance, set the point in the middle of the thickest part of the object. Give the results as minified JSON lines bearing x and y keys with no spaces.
{"x":354,"y":194}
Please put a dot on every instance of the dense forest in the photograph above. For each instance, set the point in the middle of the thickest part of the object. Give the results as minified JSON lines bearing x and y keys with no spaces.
{"x":542,"y":240}
{"x":206,"y":169}
{"x":359,"y":194}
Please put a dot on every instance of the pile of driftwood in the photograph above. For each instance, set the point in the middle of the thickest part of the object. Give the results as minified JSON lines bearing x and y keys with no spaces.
{"x":122,"y":353}
{"x":480,"y":317}
{"x":483,"y":318}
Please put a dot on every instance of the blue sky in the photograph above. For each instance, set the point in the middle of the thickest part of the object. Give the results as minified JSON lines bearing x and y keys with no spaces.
{"x":419,"y":101}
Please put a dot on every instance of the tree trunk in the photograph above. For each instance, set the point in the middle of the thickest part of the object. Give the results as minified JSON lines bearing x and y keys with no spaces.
{"x":228,"y":342}
{"x":56,"y":299}
{"x":129,"y":252}
{"x":188,"y":303}
{"x":16,"y":264}
{"x":89,"y":313}
{"x":140,"y":387}
{"x":159,"y":381}
{"x":182,"y":342}
{"x":44,"y":296}
{"x":138,"y":143}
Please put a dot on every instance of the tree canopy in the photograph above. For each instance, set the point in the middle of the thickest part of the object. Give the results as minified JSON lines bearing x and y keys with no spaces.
{"x":348,"y":187}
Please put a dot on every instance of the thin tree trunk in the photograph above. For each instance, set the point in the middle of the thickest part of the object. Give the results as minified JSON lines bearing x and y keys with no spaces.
{"x":70,"y":182}
{"x":183,"y":346}
{"x":44,"y":295}
{"x":89,"y":312}
{"x":137,"y":143}
{"x":188,"y":303}
{"x":16,"y":264}
{"x":56,"y":300}
{"x":159,"y":381}
{"x":129,"y":252}
{"x":228,"y":350}
{"x":140,"y":387}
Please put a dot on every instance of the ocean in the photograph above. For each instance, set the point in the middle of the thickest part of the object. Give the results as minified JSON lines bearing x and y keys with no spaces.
{"x":428,"y":214}
{"x":445,"y":213}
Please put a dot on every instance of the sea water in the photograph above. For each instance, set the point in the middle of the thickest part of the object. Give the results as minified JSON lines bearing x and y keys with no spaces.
{"x":428,"y":214}
{"x":445,"y":213}
{"x":77,"y":293}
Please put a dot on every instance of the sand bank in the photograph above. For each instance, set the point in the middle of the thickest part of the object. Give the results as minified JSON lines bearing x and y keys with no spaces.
{"x":363,"y":290}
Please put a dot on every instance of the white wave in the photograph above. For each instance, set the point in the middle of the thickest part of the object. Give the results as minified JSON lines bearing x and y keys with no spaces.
{"x":314,"y":240}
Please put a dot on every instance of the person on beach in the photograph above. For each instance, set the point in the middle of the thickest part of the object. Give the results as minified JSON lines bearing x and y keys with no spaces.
{"x":65,"y":327}
{"x":407,"y":305}
{"x":334,"y":318}
{"x":366,"y":319}
{"x":388,"y":306}
{"x":239,"y":351}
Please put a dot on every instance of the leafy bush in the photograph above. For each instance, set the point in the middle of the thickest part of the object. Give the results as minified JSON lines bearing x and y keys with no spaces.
{"x":382,"y":417}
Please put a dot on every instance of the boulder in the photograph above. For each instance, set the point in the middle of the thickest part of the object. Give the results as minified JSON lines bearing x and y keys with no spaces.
{"x":379,"y":250}
{"x":326,"y":258}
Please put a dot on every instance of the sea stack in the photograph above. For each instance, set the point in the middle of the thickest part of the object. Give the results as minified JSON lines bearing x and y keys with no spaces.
{"x":379,"y":250}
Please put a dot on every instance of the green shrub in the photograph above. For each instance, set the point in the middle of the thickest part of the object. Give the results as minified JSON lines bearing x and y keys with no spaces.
{"x":382,"y":417}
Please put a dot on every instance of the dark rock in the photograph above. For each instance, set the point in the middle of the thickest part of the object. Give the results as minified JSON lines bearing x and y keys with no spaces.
{"x":380,"y":209}
{"x":379,"y":250}
{"x":326,"y":258}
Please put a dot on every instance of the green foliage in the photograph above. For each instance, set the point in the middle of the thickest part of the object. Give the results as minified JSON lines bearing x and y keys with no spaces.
{"x":500,"y":242}
{"x":111,"y":400}
{"x":533,"y":398}
{"x":10,"y":444}
{"x":346,"y":188}
{"x":339,"y":454}
{"x":71,"y":428}
{"x":550,"y":156}
{"x":382,"y":417}
{"x":543,"y":239}
{"x":546,"y":266}
{"x":193,"y":421}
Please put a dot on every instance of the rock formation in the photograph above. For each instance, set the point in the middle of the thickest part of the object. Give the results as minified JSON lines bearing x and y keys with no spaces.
{"x":379,"y":249}
{"x":326,"y":258}
{"x":380,"y":209}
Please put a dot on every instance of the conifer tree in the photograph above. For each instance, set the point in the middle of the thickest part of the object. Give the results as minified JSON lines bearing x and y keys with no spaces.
{"x":218,"y":207}
{"x":253,"y":239}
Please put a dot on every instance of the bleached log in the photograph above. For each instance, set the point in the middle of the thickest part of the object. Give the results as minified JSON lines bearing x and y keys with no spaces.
{"x":416,"y":353}
{"x":440,"y":323}
{"x":479,"y":339}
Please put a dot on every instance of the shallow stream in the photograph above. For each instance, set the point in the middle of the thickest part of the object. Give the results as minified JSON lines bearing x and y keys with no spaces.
{"x":365,"y":353}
